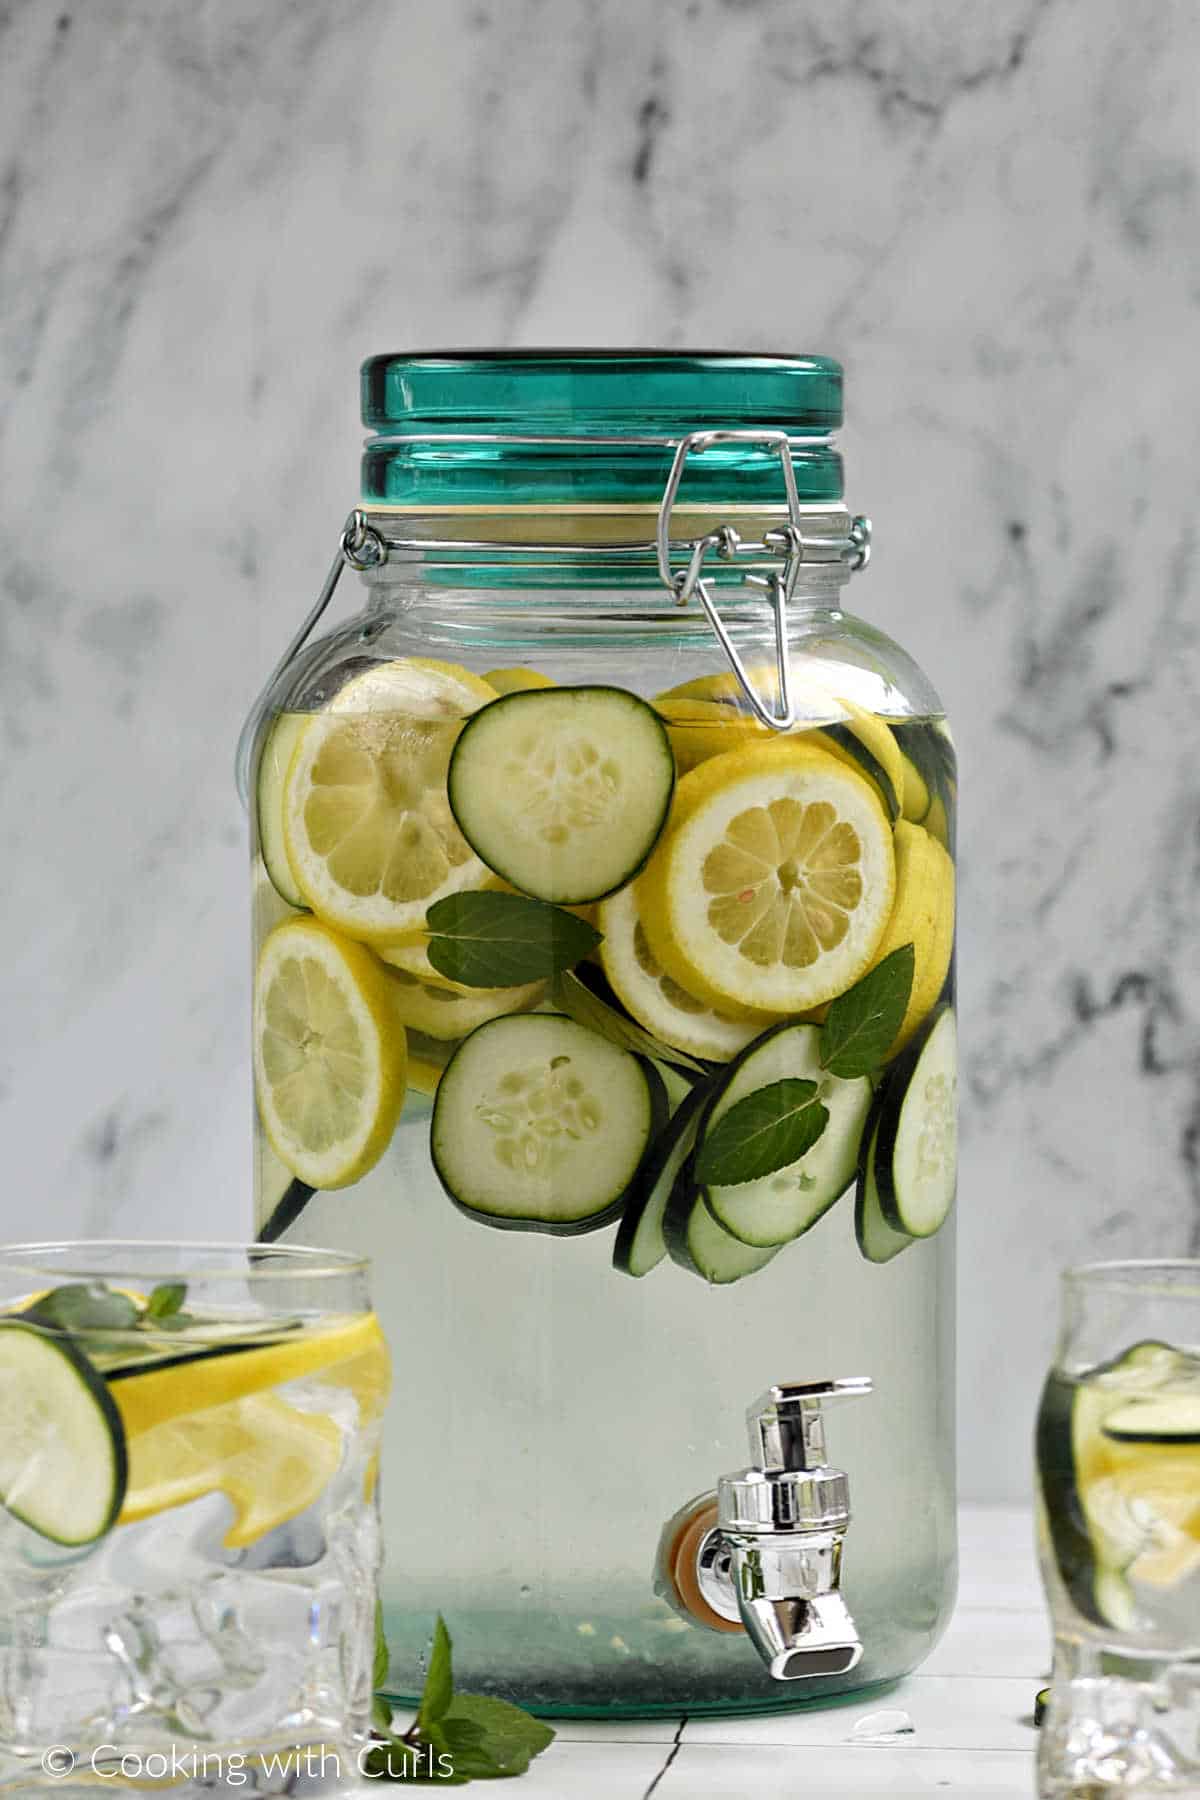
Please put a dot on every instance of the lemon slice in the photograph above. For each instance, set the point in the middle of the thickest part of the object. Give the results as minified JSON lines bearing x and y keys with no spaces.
{"x":656,"y":1001}
{"x":367,"y":825}
{"x":711,"y":716}
{"x":329,"y":1053}
{"x":923,"y":916}
{"x":440,"y":1012}
{"x":519,"y":680}
{"x":775,"y":880}
{"x":199,"y":1378}
{"x":699,"y":728}
{"x":270,"y":1459}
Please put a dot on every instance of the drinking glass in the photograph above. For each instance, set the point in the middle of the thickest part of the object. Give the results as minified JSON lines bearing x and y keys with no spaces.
{"x":1118,"y":1458}
{"x":189,"y":1540}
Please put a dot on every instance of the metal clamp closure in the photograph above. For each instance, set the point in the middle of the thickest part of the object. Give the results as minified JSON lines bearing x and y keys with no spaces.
{"x":787,"y":541}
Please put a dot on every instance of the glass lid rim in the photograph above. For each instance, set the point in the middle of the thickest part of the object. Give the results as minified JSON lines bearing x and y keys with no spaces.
{"x":570,"y":353}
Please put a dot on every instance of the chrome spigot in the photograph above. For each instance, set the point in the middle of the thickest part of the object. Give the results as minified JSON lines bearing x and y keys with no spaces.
{"x":773,"y":1560}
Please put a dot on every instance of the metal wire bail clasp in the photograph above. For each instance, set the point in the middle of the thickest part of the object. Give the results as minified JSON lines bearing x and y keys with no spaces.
{"x":787,"y":540}
{"x":360,"y":547}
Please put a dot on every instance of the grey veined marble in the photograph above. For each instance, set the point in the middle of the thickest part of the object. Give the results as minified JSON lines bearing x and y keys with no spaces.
{"x":210,"y":212}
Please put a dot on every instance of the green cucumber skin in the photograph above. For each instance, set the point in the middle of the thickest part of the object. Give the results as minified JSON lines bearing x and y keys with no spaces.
{"x":844,"y":736}
{"x":1184,"y":1439}
{"x":662,"y":1147}
{"x":862,"y":1197}
{"x":524,"y":697}
{"x":684,"y":1195}
{"x":659,"y":1115}
{"x":295,"y":1197}
{"x":98,"y":1388}
{"x":1062,"y":1506}
{"x":890,"y":1101}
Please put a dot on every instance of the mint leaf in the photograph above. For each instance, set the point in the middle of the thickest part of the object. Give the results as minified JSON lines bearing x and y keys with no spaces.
{"x":439,"y":1682}
{"x":84,"y":1306}
{"x":379,"y":1667}
{"x":861,"y":1024}
{"x":381,"y":1716}
{"x":166,"y":1299}
{"x":765,"y":1131}
{"x":504,"y":940}
{"x":509,"y":1738}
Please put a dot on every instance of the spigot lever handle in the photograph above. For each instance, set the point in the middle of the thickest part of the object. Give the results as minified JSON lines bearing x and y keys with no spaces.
{"x":787,"y":1427}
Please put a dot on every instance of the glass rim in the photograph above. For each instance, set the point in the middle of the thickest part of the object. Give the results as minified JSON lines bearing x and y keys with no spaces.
{"x":1157,"y":1275}
{"x":87,"y":1258}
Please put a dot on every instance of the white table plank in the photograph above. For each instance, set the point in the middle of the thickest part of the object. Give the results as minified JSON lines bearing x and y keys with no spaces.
{"x":986,"y":1641}
{"x":772,"y":1773}
{"x":981,"y":1714}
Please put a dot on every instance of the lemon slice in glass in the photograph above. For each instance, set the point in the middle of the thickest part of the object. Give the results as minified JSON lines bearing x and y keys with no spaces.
{"x":658,"y":1002}
{"x":367,"y":825}
{"x":271,"y":1460}
{"x":774,"y":882}
{"x":329,"y":1053}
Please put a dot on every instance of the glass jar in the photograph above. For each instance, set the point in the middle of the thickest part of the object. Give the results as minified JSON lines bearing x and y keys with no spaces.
{"x":686,"y":829}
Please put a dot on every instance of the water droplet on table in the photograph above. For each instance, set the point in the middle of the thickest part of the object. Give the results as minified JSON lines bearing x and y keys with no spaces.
{"x":882,"y":1727}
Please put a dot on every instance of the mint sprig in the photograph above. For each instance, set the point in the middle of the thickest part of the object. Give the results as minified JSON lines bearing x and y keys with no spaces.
{"x":486,"y":939}
{"x":85,"y":1308}
{"x":861,"y":1024}
{"x":455,"y":1738}
{"x":766,"y":1130}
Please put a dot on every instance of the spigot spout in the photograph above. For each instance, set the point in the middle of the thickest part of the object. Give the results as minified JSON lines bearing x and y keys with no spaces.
{"x":801,"y":1639}
{"x":789,"y":1600}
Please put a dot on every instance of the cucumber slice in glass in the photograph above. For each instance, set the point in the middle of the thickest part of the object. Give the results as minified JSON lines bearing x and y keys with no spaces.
{"x":63,"y":1466}
{"x":779,"y":1207}
{"x":916,"y":1162}
{"x":541,"y":1125}
{"x":1093,"y":1533}
{"x":1167,"y":1419}
{"x":563,"y":791}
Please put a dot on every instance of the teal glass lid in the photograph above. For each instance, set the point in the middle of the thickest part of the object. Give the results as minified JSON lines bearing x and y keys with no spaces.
{"x":532,"y":428}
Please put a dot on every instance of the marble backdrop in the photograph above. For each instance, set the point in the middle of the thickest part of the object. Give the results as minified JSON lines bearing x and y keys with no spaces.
{"x":210,"y":212}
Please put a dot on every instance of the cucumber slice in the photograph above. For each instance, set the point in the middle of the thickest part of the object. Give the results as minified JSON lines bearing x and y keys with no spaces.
{"x":1169,"y":1419}
{"x":63,"y":1466}
{"x":563,"y":791}
{"x":273,"y":765}
{"x":1093,"y":1540}
{"x":541,"y":1125}
{"x":640,"y":1244}
{"x":877,"y":1240}
{"x":699,"y":1244}
{"x":916,"y":1161}
{"x":781,"y":1206}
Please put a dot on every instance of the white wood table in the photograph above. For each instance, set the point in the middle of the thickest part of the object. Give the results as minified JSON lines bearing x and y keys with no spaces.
{"x":970,"y":1708}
